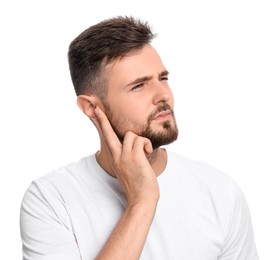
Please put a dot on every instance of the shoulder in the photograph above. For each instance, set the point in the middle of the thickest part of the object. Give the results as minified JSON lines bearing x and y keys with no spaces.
{"x":68,"y":172}
{"x":206,"y":179}
{"x":46,"y":216}
{"x":213,"y":185}
{"x":197,"y":169}
{"x":59,"y":182}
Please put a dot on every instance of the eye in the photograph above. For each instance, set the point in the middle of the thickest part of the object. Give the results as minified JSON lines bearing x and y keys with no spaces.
{"x":137,"y":87}
{"x":164,"y":78}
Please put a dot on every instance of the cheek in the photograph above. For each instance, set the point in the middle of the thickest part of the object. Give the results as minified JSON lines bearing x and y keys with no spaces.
{"x":133,"y":121}
{"x":171,"y":101}
{"x":130,"y":113}
{"x":133,"y":111}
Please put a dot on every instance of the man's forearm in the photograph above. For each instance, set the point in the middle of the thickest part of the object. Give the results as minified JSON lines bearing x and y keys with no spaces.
{"x":128,"y":238}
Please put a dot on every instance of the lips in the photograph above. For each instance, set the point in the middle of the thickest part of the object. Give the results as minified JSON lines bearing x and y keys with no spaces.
{"x":162,"y":115}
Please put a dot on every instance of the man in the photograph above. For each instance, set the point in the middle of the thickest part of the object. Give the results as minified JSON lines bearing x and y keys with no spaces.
{"x":132,"y":199}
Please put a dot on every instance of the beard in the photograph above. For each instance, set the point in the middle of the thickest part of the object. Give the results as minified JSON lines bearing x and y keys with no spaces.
{"x":166,"y":135}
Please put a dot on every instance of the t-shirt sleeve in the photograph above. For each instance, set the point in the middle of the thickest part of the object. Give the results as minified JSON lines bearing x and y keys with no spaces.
{"x":239,"y":243}
{"x":45,"y":227}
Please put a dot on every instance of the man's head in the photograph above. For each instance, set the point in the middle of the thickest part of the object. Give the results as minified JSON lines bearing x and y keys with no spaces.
{"x":98,"y":46}
{"x":113,"y":66}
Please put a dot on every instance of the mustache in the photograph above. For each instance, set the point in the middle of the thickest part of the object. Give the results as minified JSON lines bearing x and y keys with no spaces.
{"x":160,"y":108}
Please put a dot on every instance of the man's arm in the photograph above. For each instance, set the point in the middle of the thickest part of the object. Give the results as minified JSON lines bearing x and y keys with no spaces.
{"x":128,"y":163}
{"x":128,"y":237}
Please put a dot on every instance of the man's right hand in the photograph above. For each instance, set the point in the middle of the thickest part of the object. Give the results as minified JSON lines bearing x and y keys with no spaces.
{"x":127,"y":161}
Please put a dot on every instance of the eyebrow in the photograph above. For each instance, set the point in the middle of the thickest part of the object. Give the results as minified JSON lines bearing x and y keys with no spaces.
{"x":147,"y":78}
{"x":163,"y":73}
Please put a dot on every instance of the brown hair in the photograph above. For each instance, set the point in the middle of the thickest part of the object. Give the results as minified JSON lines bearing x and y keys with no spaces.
{"x":101,"y":44}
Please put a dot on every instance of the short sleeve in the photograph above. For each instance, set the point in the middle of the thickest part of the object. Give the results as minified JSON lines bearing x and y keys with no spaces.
{"x":239,"y":243}
{"x":45,"y":227}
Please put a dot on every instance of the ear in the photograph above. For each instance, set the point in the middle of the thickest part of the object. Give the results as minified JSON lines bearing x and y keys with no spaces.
{"x":87,"y":104}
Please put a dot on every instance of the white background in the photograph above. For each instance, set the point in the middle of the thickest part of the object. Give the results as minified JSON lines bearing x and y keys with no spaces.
{"x":222,"y":61}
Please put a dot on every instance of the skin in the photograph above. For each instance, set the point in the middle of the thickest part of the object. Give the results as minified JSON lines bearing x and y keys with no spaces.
{"x":135,"y":97}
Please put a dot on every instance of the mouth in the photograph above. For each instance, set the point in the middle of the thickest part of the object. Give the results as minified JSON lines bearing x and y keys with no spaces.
{"x":164,"y":115}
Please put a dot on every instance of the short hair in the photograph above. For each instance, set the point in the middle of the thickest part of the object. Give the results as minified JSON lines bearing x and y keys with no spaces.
{"x":99,"y":45}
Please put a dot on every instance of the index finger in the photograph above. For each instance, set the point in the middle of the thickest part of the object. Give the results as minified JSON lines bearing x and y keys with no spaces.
{"x":106,"y":131}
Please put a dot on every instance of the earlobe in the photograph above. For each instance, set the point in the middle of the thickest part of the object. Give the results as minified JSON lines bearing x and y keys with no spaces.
{"x":87,"y":104}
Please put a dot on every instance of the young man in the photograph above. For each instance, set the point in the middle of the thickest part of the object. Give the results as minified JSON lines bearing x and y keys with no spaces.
{"x":132,"y":199}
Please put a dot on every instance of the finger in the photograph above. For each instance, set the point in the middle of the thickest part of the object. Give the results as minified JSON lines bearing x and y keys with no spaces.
{"x":148,"y":146}
{"x":143,"y":144}
{"x":96,"y":123}
{"x":128,"y":142}
{"x":103,"y":125}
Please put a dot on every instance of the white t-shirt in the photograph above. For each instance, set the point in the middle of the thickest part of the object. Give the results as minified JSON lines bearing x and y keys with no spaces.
{"x":68,"y":214}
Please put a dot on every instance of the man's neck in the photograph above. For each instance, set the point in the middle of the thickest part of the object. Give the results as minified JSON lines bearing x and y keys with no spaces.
{"x":158,"y":160}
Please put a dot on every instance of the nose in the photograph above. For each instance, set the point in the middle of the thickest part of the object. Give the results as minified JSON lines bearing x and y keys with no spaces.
{"x":162,"y":93}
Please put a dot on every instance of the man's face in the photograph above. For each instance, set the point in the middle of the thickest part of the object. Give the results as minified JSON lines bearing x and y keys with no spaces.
{"x":139,"y":98}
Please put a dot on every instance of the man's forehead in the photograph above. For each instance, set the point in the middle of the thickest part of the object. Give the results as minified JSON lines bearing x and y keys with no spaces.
{"x":143,"y":64}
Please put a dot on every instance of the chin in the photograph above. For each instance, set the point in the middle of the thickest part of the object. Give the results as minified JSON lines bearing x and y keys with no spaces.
{"x":160,"y":139}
